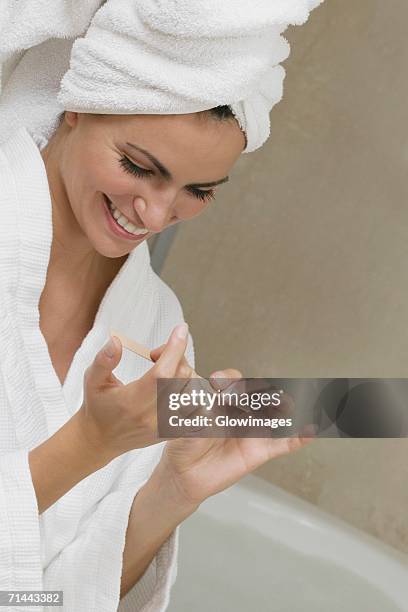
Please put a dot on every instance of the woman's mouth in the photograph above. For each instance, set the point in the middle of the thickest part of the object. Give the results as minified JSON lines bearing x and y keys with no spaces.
{"x":119,"y":224}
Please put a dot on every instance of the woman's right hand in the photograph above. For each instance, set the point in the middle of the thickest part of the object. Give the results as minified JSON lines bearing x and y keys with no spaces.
{"x":115,"y":418}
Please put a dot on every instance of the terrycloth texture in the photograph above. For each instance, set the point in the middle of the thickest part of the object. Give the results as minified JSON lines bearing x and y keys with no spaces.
{"x":183,"y":56}
{"x":77,"y":544}
{"x":29,"y":96}
{"x":26,"y":23}
{"x":161,"y":57}
{"x":36,"y":38}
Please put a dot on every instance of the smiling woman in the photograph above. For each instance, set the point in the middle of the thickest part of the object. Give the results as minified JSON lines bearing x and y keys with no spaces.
{"x":115,"y":123}
{"x":108,"y":188}
{"x":109,"y":194}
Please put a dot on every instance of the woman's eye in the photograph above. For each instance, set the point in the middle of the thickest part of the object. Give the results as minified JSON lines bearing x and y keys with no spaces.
{"x":201,"y":194}
{"x":132,"y":168}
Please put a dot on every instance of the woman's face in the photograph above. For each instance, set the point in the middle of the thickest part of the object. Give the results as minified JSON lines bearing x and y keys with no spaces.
{"x":145,"y":172}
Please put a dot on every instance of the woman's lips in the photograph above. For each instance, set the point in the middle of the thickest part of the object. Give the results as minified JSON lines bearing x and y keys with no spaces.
{"x":116,"y":228}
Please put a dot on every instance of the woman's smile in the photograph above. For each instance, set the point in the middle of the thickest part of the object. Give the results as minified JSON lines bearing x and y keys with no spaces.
{"x":120,"y":224}
{"x":89,"y":165}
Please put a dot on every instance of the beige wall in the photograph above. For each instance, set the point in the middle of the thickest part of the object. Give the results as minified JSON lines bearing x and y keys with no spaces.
{"x":299,"y":268}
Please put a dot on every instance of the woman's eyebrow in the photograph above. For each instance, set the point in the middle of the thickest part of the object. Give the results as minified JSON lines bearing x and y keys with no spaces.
{"x":167,"y":174}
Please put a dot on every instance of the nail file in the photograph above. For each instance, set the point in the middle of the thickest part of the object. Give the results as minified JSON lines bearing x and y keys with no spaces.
{"x":143,"y":351}
{"x":137,"y":348}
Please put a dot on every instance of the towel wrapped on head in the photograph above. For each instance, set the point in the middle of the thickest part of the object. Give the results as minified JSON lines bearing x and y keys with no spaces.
{"x":147,"y":57}
{"x":184,"y":56}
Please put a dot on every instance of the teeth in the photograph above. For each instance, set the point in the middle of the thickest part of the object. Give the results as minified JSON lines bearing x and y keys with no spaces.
{"x":130,"y":227}
{"x":124,"y":221}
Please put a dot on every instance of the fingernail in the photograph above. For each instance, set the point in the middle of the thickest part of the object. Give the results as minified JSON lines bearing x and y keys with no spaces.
{"x":222,"y":384}
{"x":181,"y":331}
{"x":109,"y":348}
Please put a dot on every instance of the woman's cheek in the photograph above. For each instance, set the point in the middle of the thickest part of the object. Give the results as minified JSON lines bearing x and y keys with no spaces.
{"x":190,"y":207}
{"x":112,"y":180}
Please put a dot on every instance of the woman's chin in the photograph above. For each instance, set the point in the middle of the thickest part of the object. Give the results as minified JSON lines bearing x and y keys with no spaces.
{"x":105,"y":245}
{"x":108,"y":248}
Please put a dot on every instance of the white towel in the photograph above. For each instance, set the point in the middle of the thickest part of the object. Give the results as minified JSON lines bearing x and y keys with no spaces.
{"x":29,"y":97}
{"x":36,"y":38}
{"x":183,"y":56}
{"x":150,"y":57}
{"x":26,"y":23}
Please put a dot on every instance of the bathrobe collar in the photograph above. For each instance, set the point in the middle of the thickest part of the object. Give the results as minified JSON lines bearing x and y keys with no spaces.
{"x":26,"y":236}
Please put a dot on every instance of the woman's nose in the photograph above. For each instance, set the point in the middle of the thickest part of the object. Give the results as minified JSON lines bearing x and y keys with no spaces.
{"x":155,"y":216}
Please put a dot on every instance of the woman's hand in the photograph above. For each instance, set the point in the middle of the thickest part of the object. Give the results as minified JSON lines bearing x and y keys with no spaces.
{"x":197,"y":468}
{"x":115,"y":418}
{"x":200,"y":467}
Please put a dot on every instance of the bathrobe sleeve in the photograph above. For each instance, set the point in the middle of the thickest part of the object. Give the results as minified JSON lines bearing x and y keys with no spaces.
{"x":20,"y":549}
{"x":89,"y":569}
{"x":152,"y":592}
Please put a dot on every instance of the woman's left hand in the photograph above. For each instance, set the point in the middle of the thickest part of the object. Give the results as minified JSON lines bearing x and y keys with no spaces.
{"x":197,"y":468}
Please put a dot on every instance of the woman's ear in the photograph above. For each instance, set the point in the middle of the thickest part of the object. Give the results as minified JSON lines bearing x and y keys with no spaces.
{"x":71,"y":118}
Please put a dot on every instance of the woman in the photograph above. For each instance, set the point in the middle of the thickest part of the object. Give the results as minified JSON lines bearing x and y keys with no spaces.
{"x":90,"y":501}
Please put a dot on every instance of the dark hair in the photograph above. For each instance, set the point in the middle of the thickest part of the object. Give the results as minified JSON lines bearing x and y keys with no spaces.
{"x":222,"y":112}
{"x":219,"y":112}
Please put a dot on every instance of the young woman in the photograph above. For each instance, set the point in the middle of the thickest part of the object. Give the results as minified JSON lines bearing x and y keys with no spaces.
{"x":90,"y":500}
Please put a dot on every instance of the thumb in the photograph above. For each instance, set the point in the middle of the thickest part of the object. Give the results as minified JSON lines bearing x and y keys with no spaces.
{"x":105,"y":361}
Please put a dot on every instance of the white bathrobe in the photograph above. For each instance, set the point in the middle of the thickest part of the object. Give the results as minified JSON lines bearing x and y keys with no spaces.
{"x":76,"y":545}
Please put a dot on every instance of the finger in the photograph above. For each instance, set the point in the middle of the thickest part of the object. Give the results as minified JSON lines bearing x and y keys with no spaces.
{"x":167,"y":356}
{"x":221,"y":378}
{"x":184,"y":369}
{"x":173,"y":352}
{"x":198,"y":384}
{"x":106,"y":360}
{"x":156,"y":352}
{"x":283,"y":446}
{"x":227,"y":373}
